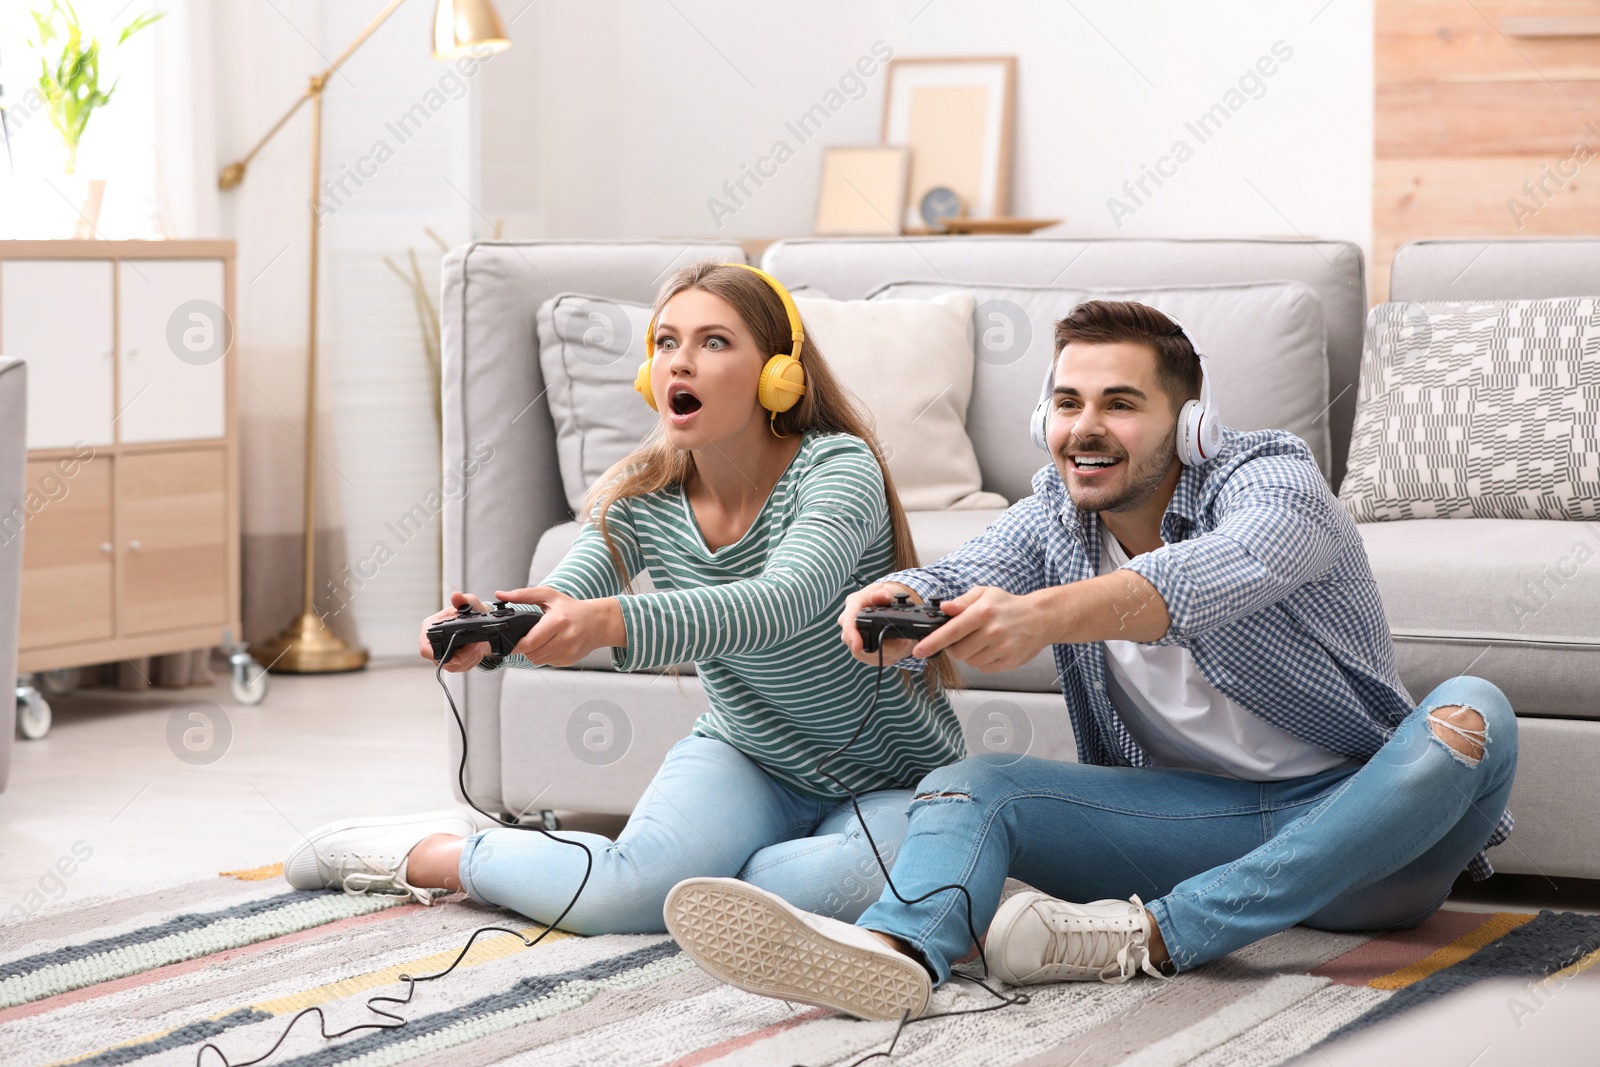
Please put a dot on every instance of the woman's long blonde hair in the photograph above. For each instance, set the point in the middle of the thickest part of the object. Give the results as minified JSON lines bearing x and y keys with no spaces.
{"x":827,"y":407}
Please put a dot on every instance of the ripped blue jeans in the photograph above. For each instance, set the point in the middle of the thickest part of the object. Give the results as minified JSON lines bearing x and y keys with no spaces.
{"x":1219,"y":862}
{"x":711,"y":810}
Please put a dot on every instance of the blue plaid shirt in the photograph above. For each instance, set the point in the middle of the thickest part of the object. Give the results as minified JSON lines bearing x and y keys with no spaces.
{"x":1267,"y":584}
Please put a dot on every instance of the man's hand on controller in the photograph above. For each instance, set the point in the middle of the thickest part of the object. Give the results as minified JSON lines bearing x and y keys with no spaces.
{"x":990,"y":629}
{"x":570,"y":628}
{"x":467,"y":656}
{"x":895,"y":649}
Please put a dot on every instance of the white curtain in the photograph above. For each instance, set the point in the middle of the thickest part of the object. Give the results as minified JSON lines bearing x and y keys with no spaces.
{"x":184,"y":97}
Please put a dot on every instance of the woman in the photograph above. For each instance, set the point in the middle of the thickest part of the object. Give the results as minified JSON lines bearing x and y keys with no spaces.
{"x":757,"y":503}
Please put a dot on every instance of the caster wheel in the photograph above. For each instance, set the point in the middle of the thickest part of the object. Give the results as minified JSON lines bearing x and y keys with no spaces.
{"x":62,"y":682}
{"x":249,"y":683}
{"x":33,"y":714}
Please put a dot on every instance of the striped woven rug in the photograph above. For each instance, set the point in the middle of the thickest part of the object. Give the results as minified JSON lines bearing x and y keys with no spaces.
{"x":152,"y":978}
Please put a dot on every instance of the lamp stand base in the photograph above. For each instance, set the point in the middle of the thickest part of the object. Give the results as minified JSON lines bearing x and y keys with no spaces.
{"x":309,"y":647}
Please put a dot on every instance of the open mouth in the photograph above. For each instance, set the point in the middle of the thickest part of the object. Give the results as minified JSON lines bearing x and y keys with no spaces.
{"x":681,"y":400}
{"x":1089,"y":463}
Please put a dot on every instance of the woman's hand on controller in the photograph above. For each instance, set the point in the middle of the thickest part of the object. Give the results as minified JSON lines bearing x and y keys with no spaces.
{"x":465,"y":657}
{"x":895,"y":649}
{"x":571,"y":628}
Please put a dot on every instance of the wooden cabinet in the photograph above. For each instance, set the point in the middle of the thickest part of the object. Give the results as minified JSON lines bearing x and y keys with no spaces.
{"x":131,"y":546}
{"x":67,"y":552}
{"x":172,"y":522}
{"x":168,"y":386}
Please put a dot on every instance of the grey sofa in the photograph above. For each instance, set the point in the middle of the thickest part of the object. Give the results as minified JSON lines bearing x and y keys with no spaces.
{"x":588,"y":738}
{"x":13,"y":462}
{"x":1452,"y":587}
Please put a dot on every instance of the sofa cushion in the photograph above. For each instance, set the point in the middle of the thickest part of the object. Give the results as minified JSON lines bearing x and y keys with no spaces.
{"x":854,"y":267}
{"x":1510,"y":600}
{"x":589,"y":349}
{"x":938,"y":533}
{"x":1495,"y":268}
{"x":909,"y":362}
{"x":1265,"y":343}
{"x":1482,"y":409}
{"x":595,"y":741}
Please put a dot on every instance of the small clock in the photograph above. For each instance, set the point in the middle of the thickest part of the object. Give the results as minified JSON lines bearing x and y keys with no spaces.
{"x":938,"y":204}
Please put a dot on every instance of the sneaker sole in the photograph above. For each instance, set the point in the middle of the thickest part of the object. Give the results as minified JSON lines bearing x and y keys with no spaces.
{"x":743,"y":937}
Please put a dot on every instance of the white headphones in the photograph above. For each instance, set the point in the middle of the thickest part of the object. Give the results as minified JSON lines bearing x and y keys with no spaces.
{"x":1199,"y":431}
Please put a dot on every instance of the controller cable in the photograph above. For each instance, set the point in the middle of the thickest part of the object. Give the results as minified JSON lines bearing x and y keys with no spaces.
{"x":1004,"y":1000}
{"x":396,"y":1021}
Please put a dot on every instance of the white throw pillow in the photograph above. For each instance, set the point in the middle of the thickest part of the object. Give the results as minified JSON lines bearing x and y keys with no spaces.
{"x":909,"y":363}
{"x":1478,"y":409}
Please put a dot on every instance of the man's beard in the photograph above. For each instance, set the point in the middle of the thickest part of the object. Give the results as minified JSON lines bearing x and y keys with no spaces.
{"x":1144,"y":477}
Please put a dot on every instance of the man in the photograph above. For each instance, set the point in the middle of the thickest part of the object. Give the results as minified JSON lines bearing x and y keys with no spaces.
{"x":1248,"y":757}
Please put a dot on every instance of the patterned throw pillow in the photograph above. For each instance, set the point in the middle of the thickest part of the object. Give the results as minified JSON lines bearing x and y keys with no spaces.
{"x":1484,"y":409}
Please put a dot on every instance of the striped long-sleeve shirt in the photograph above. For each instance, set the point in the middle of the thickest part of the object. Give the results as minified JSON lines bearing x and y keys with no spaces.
{"x":758,"y":618}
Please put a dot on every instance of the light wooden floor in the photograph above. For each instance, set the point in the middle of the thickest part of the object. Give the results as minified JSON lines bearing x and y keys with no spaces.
{"x":318,"y":748}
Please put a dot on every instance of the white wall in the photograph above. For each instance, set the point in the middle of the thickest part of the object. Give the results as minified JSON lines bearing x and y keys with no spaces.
{"x":639,"y":111}
{"x":621,"y":118}
{"x":388,"y":447}
{"x":379,"y":451}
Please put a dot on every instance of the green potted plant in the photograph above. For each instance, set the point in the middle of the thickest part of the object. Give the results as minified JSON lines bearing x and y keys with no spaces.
{"x":69,"y":71}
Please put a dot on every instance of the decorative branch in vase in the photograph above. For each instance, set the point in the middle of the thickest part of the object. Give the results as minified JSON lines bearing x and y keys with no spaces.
{"x":426,"y":305}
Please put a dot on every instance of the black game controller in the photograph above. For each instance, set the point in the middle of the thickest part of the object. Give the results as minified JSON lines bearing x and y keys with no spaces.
{"x":900,"y":619}
{"x":502,"y":628}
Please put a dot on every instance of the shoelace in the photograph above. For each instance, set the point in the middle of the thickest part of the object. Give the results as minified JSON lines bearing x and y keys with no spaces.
{"x":377,"y":880}
{"x":1131,"y":958}
{"x":1079,"y":947}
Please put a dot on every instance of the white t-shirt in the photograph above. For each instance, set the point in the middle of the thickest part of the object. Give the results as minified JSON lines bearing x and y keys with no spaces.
{"x":1181,"y":720}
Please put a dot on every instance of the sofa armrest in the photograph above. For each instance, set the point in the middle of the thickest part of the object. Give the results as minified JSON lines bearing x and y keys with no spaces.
{"x":13,"y":466}
{"x":502,"y":481}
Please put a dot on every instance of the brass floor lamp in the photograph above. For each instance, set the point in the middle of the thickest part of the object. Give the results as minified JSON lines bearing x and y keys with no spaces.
{"x":460,"y":28}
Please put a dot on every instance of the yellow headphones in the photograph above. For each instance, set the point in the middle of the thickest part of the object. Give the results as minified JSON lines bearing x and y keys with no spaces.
{"x":783,"y":379}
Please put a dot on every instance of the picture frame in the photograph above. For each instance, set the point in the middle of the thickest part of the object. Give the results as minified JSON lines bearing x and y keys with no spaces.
{"x":956,"y":116}
{"x":863,"y":191}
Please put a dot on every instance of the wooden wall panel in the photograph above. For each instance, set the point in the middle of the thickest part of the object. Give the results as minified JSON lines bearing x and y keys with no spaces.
{"x":1475,"y":197}
{"x":1484,"y":119}
{"x":1480,"y":132}
{"x":1462,"y":41}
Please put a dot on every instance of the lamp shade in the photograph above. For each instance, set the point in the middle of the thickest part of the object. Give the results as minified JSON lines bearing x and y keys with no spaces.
{"x":462,"y":27}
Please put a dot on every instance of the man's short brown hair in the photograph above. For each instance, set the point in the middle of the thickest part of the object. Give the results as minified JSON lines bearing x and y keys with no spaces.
{"x":1105,"y":322}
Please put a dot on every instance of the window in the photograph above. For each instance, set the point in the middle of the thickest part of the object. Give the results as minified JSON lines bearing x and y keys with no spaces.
{"x":118,"y":145}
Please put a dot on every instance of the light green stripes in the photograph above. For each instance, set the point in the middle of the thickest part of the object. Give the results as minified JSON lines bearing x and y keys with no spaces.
{"x":757,"y":618}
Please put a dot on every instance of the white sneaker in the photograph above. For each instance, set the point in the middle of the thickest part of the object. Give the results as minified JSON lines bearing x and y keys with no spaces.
{"x":369,"y":855}
{"x":760,"y":943}
{"x":1036,"y":938}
